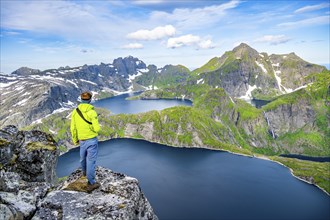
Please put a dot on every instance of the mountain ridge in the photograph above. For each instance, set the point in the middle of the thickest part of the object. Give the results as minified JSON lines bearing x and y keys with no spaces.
{"x":242,"y":72}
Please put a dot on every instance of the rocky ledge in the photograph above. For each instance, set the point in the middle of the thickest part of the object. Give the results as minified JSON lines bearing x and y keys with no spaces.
{"x":29,"y":188}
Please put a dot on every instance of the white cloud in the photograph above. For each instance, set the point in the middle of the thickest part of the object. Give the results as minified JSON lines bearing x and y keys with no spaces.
{"x":189,"y":40}
{"x":273,"y":39}
{"x":312,"y":8}
{"x":133,"y":46}
{"x":321,"y":20}
{"x":185,"y":40}
{"x":197,"y":17}
{"x":65,"y":19}
{"x":206,"y":44}
{"x":154,"y":34}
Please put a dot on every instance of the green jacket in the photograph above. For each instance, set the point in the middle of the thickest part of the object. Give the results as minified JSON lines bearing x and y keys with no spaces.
{"x":81,"y":130}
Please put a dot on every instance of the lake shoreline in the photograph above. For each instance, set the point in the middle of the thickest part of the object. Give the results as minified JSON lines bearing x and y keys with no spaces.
{"x":263,"y":157}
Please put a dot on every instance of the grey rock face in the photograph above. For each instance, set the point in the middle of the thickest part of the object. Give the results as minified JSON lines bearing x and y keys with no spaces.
{"x":118,"y":197}
{"x":128,"y":65}
{"x":241,"y":68}
{"x":291,"y":117}
{"x":31,"y":154}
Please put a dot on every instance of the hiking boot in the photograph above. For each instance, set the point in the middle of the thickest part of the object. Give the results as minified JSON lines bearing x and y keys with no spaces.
{"x":91,"y":187}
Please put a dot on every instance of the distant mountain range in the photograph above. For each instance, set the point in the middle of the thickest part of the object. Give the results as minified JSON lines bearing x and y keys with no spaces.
{"x":28,"y":95}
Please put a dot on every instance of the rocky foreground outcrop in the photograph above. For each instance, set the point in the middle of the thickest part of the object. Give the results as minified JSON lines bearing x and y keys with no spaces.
{"x":28,"y":188}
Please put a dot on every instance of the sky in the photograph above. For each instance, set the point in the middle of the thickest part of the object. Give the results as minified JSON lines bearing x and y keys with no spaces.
{"x":49,"y":34}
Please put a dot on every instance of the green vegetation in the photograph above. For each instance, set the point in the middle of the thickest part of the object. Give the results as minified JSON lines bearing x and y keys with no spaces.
{"x":287,"y":99}
{"x":267,"y":95}
{"x":212,"y":65}
{"x":104,"y":94}
{"x":320,"y":86}
{"x":310,"y":143}
{"x":63,"y":148}
{"x":170,"y":75}
{"x":247,"y":111}
{"x":61,"y":179}
{"x":231,"y":64}
{"x":313,"y":172}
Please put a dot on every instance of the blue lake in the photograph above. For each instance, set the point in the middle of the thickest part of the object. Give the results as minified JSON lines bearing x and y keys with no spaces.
{"x":183,"y":183}
{"x":119,"y":104}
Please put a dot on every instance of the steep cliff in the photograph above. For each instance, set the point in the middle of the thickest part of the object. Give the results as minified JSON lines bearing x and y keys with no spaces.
{"x":296,"y":123}
{"x":29,"y":188}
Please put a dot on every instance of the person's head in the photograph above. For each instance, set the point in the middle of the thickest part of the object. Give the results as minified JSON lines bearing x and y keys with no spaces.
{"x":86,"y":97}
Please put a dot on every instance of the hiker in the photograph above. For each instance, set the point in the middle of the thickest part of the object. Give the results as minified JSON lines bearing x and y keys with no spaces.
{"x":84,"y":130}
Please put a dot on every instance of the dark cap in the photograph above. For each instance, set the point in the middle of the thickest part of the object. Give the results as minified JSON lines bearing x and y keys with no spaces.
{"x":86,"y":96}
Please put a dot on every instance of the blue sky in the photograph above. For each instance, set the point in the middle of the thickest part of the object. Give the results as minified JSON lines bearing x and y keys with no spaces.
{"x":50,"y":34}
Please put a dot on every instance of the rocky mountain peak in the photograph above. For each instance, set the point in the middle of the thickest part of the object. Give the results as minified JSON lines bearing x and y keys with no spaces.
{"x":244,"y":49}
{"x":128,"y":65}
{"x":26,"y":71}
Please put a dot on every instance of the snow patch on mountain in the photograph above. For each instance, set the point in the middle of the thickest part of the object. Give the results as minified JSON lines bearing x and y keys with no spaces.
{"x":144,"y":70}
{"x":261,"y":66}
{"x":3,"y":85}
{"x":73,"y":83}
{"x":248,"y":94}
{"x":277,"y":73}
{"x":22,"y":102}
{"x":83,"y":80}
{"x":132,"y":77}
{"x":200,"y":81}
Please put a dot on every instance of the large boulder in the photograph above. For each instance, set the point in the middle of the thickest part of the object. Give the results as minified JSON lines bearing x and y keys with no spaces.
{"x":28,"y":160}
{"x":118,"y":197}
{"x":29,"y":188}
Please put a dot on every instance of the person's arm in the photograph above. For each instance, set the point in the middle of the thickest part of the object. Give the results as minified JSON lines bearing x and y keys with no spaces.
{"x":95,"y":121}
{"x":73,"y":129}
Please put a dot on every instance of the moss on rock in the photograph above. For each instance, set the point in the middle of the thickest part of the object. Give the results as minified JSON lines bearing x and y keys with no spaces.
{"x":3,"y":143}
{"x":32,"y":146}
{"x":80,"y":185}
